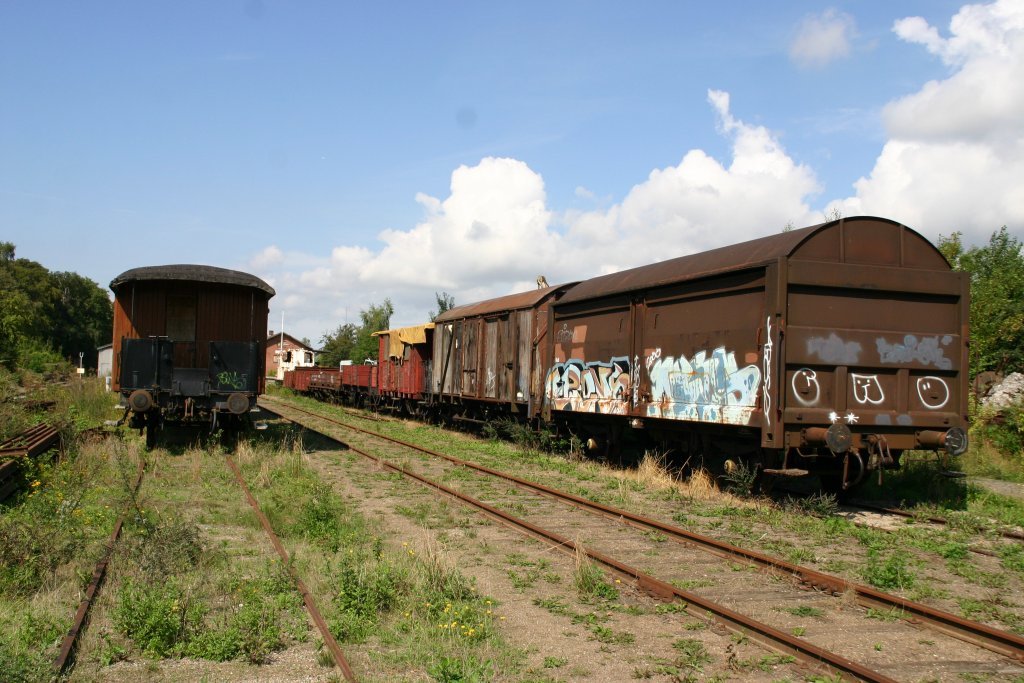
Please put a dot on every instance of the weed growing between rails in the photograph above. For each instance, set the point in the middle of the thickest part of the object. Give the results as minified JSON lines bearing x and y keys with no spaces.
{"x":400,"y":613}
{"x":185,"y":581}
{"x":50,"y":538}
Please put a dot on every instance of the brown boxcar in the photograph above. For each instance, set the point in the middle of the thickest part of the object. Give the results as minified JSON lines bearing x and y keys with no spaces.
{"x":486,"y":355}
{"x":361,"y":377}
{"x":188,"y":343}
{"x":404,"y":363}
{"x":832,"y":347}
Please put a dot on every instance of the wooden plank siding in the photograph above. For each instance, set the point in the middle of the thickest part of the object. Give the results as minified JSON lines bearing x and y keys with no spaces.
{"x":222,"y":313}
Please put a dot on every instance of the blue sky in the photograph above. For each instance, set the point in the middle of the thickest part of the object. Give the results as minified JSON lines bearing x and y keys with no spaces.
{"x":350,"y":151}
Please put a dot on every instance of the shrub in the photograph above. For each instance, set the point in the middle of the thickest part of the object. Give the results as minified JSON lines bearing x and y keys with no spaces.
{"x":1004,"y":430}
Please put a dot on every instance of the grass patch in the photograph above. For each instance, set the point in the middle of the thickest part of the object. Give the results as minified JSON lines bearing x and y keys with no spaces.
{"x":590,"y":581}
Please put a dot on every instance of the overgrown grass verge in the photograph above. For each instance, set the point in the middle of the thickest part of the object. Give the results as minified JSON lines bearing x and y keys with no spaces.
{"x":918,"y":560}
{"x":408,"y":613}
{"x":191,"y":577}
{"x":51,"y":536}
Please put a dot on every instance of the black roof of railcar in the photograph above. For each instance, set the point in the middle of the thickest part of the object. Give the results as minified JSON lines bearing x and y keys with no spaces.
{"x":510,"y":302}
{"x":735,"y":257}
{"x":192,"y":273}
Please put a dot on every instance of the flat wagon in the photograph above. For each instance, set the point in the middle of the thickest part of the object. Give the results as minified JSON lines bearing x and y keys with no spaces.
{"x":486,"y":356}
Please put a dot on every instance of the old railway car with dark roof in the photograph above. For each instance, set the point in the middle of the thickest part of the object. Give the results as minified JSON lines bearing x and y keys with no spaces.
{"x":832,"y":349}
{"x":188,"y":345}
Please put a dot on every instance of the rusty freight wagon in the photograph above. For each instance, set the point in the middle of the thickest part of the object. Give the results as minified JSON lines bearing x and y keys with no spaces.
{"x":486,"y":358}
{"x":829,"y":349}
{"x":188,"y":345}
{"x":298,"y":378}
{"x":403,"y":366}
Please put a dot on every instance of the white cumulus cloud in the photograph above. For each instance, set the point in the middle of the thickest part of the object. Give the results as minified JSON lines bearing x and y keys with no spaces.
{"x":954,"y":159}
{"x":494,"y":233}
{"x":822,"y":38}
{"x":701,"y":203}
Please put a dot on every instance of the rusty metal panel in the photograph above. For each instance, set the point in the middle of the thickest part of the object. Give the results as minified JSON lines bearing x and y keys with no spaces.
{"x":298,"y":379}
{"x":702,"y":357}
{"x":897,"y":245}
{"x":688,"y":351}
{"x":877,"y":338}
{"x":591,"y":369}
{"x":402,"y":376}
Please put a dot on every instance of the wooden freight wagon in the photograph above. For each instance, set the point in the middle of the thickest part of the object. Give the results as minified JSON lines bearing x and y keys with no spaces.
{"x":403,"y":365}
{"x":188,"y":344}
{"x":486,"y":355}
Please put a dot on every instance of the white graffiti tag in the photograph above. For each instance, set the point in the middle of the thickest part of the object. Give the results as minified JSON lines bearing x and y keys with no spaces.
{"x":805,"y":383}
{"x":866,"y":389}
{"x":933,"y":392}
{"x":766,"y":395}
{"x":707,"y":388}
{"x":595,"y":387}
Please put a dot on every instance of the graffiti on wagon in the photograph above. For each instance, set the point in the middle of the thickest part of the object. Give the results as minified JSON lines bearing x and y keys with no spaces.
{"x":708,"y":387}
{"x":595,"y":387}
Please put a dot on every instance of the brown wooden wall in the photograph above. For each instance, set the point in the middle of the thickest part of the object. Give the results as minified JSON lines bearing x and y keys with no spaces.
{"x":222,"y":313}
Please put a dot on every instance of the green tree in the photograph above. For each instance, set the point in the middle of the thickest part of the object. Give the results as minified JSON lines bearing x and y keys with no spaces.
{"x":40,"y":310}
{"x":82,"y":316}
{"x":375,"y":318}
{"x":997,"y":299}
{"x":337,"y":346}
{"x":445,"y":302}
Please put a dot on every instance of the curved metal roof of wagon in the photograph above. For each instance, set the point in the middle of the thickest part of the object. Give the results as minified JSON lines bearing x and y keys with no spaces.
{"x":736,"y":257}
{"x":510,"y":302}
{"x":192,"y":273}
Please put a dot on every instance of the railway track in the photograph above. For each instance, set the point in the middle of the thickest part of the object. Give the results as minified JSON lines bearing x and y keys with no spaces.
{"x":307,"y":598}
{"x":906,"y":514}
{"x":65,"y":656}
{"x":29,"y":444}
{"x":770,"y":623}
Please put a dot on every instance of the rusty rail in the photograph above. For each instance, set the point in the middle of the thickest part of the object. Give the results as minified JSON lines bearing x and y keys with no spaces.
{"x":995,"y":640}
{"x":738,"y":623}
{"x":30,"y":443}
{"x":67,"y":646}
{"x":307,"y":598}
{"x":1015,"y":535}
